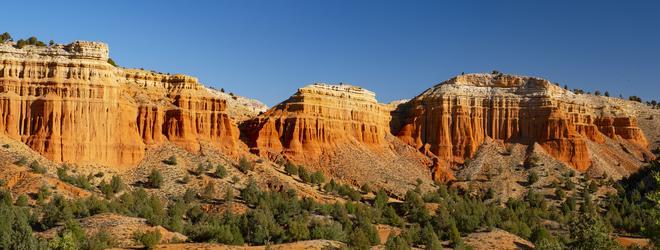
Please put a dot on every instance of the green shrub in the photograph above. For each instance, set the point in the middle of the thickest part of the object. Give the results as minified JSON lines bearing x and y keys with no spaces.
{"x":366,"y":188}
{"x":209,"y":191}
{"x":185,"y":179}
{"x":244,"y":165}
{"x":117,"y":184}
{"x":100,"y":240}
{"x":170,"y":161}
{"x":250,"y":193}
{"x":229,"y":195}
{"x":199,"y":170}
{"x":304,"y":175}
{"x":298,"y":230}
{"x":359,"y":240}
{"x":22,"y":200}
{"x":396,"y":242}
{"x":5,"y":37}
{"x":21,"y":161}
{"x":80,"y":181}
{"x":155,"y":179}
{"x":290,"y":169}
{"x":593,"y":187}
{"x":317,"y":178}
{"x":112,"y":62}
{"x":37,"y":168}
{"x":532,"y":178}
{"x":560,"y":193}
{"x":148,"y":239}
{"x":220,"y":172}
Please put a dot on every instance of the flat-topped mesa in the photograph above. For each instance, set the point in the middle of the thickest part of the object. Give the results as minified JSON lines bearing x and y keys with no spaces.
{"x":341,"y":90}
{"x":148,"y":79}
{"x":75,"y":50}
{"x":69,"y":104}
{"x":452,"y":119}
{"x":317,"y":118}
{"x":496,"y":84}
{"x":496,"y":80}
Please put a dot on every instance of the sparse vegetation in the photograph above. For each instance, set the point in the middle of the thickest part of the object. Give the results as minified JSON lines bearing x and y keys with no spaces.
{"x":21,"y":161}
{"x":30,"y":41}
{"x":148,"y":239}
{"x":304,"y":175}
{"x":5,"y":37}
{"x":155,"y":179}
{"x":290,"y":168}
{"x":185,"y":179}
{"x":366,"y":188}
{"x":532,"y":178}
{"x":220,"y":172}
{"x":80,"y":181}
{"x":635,"y":98}
{"x":37,"y":168}
{"x":199,"y":170}
{"x":170,"y":161}
{"x":112,"y":62}
{"x":244,"y":165}
{"x":317,"y":178}
{"x":281,"y":216}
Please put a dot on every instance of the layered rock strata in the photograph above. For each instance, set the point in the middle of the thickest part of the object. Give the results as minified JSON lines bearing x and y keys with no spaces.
{"x":341,"y":130}
{"x":67,"y":103}
{"x":452,"y":119}
{"x":319,"y":117}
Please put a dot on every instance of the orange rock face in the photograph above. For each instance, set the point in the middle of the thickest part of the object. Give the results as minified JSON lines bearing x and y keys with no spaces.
{"x":452,"y":119}
{"x":69,"y":104}
{"x":340,"y":130}
{"x":319,"y":117}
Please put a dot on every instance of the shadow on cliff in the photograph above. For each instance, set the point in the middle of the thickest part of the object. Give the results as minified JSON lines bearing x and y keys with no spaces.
{"x":398,"y":117}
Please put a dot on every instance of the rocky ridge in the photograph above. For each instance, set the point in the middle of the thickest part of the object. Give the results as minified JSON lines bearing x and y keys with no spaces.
{"x":70,"y":105}
{"x":318,"y":117}
{"x":451,"y":120}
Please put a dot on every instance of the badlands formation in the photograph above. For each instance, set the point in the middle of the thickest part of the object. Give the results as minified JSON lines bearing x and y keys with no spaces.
{"x":451,"y":120}
{"x":67,"y":103}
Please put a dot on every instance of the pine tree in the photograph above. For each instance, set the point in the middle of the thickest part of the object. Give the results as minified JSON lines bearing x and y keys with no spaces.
{"x":454,"y":235}
{"x":589,"y":232}
{"x":5,"y":37}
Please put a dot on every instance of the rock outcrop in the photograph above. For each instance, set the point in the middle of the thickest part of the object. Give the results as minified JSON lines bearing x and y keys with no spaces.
{"x":451,"y":120}
{"x":69,"y":104}
{"x":318,"y":117}
{"x":341,"y":130}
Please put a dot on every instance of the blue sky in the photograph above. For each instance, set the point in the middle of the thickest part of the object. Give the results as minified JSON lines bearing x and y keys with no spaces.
{"x":267,"y":49}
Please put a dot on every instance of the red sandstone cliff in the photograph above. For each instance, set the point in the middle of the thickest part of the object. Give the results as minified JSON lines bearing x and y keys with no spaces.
{"x":452,"y":119}
{"x":339,"y":129}
{"x":318,"y":117}
{"x":67,"y":103}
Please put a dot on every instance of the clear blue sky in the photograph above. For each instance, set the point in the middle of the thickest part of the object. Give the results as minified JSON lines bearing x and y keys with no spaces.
{"x":267,"y":49}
